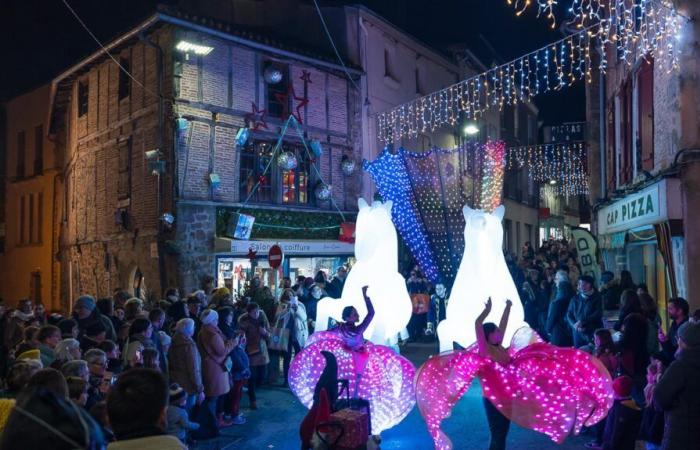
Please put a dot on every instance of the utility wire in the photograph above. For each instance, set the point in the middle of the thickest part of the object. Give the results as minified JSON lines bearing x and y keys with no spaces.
{"x":335,"y":49}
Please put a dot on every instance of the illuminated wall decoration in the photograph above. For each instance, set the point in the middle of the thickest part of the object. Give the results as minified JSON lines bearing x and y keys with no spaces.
{"x":387,"y":382}
{"x":376,"y":251}
{"x":482,"y":274}
{"x":631,"y":29}
{"x":551,"y":390}
{"x":492,"y":175}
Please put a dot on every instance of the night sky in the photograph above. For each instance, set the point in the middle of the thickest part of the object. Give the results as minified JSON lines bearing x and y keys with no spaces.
{"x":42,"y":38}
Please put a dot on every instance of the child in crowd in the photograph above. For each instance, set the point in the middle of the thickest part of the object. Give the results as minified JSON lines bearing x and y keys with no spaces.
{"x":77,"y":390}
{"x":651,"y":430}
{"x":240,"y":372}
{"x":178,"y":420}
{"x":624,"y":418}
{"x":605,"y":350}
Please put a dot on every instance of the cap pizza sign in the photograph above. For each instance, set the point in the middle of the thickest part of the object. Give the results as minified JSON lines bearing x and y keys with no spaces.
{"x":275,"y":256}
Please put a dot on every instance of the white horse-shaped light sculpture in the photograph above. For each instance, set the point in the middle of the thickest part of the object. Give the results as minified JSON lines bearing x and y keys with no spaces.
{"x":376,"y":250}
{"x":482,"y":274}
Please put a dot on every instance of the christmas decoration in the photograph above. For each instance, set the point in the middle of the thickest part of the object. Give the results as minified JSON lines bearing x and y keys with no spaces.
{"x":272,"y":75}
{"x":287,"y":161}
{"x":564,"y":165}
{"x":256,"y":118}
{"x":323,"y":191}
{"x":387,"y":381}
{"x":242,"y":136}
{"x":315,"y":145}
{"x":492,"y":176}
{"x":633,"y":29}
{"x":552,"y":390}
{"x":347,"y":165}
{"x":301,"y":102}
{"x":252,"y":254}
{"x":182,"y":124}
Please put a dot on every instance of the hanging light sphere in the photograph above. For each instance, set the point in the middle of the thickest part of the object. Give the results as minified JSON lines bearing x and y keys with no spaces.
{"x":348,"y":166}
{"x":323,"y":191}
{"x":272,"y":75}
{"x":287,"y":161}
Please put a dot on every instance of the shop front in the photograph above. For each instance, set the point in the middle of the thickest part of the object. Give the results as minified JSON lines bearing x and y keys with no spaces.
{"x":643,"y":233}
{"x":238,"y":261}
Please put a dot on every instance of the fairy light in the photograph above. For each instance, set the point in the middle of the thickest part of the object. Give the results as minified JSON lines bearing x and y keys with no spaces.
{"x":564,"y":163}
{"x":554,"y":391}
{"x":387,"y":381}
{"x":492,"y":176}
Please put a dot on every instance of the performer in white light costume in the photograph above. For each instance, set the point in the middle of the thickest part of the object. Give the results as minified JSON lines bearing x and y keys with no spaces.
{"x":376,"y":250}
{"x":482,"y":274}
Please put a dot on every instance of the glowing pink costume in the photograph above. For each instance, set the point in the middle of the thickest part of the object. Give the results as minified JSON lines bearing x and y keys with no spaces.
{"x":552,"y":390}
{"x":386,"y":379}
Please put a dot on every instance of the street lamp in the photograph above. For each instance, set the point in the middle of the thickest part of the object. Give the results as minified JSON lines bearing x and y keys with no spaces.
{"x":197,"y":49}
{"x":470,"y":129}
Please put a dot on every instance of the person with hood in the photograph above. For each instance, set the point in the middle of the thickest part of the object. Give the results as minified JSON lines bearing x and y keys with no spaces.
{"x":678,"y":393}
{"x":215,"y":349}
{"x":556,"y":326}
{"x":257,"y":330}
{"x":585,"y":312}
{"x":85,"y":313}
{"x":185,"y":363}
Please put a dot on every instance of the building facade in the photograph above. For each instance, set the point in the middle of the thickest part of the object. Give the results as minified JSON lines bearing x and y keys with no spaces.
{"x":645,"y":187}
{"x":33,"y":195}
{"x":156,"y":176}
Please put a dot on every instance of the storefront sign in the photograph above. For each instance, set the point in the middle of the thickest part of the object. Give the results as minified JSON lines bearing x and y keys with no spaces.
{"x":294,"y":247}
{"x":587,"y":251}
{"x":642,"y":208}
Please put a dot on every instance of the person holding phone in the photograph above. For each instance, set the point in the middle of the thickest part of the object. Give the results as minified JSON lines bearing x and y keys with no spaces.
{"x":256,"y":328}
{"x":292,"y":314}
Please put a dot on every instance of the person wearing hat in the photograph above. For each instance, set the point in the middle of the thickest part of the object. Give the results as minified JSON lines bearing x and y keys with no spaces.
{"x":624,"y":418}
{"x":678,"y":393}
{"x":585,"y":312}
{"x":85,"y":312}
{"x":178,"y":419}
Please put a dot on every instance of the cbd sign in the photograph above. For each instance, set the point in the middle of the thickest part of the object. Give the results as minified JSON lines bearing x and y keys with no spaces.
{"x":275,"y":256}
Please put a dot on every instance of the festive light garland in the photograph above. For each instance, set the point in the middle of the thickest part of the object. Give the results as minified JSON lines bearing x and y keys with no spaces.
{"x":492,"y":178}
{"x":648,"y":27}
{"x":563,"y":164}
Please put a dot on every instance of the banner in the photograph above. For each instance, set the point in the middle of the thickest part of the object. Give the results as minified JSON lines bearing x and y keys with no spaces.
{"x":587,"y":249}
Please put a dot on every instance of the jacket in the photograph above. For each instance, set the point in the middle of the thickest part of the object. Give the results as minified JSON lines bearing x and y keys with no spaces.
{"x":179,"y":422}
{"x":299,"y":328}
{"x":185,"y":364}
{"x":214,"y":351}
{"x":256,"y":348}
{"x":240,"y":370}
{"x":678,"y":394}
{"x":96,"y":316}
{"x":162,"y":442}
{"x":587,"y":310}
{"x":622,"y":425}
{"x":556,"y":326}
{"x":48,"y":356}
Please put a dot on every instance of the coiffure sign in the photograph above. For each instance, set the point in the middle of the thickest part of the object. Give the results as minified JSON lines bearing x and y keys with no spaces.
{"x":293,"y":247}
{"x":642,"y":208}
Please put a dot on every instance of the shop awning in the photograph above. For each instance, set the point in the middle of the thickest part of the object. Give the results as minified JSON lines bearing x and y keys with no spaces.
{"x":613,"y":240}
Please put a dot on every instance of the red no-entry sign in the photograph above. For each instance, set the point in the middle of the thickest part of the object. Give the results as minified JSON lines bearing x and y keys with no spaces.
{"x":275,"y":256}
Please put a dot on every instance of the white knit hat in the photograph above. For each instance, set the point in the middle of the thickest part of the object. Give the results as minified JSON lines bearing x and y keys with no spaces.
{"x":209,"y":316}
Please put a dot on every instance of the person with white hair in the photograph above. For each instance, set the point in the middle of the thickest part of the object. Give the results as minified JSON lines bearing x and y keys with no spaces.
{"x":556,"y":326}
{"x":185,"y":363}
{"x":66,"y":350}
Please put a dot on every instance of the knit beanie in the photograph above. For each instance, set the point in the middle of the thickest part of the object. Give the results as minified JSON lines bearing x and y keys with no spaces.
{"x":622,"y":386}
{"x":690,"y":334}
{"x":209,"y":317}
{"x":85,"y":301}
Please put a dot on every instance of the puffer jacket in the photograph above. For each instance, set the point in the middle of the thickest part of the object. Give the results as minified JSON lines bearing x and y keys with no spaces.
{"x":678,"y":394}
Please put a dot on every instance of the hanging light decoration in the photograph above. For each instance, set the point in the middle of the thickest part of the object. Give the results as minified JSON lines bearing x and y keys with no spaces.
{"x":347,"y":165}
{"x":272,"y":75}
{"x":563,"y":164}
{"x":287,"y":160}
{"x":323,"y":191}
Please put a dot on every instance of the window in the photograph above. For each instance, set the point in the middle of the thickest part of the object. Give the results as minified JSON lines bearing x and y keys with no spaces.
{"x":32,"y":218}
{"x":39,"y":217}
{"x":277,"y":94}
{"x":289,"y":187}
{"x":124,"y":180}
{"x":83,"y":91}
{"x":39,"y":150}
{"x":22,"y":220}
{"x":124,"y":78}
{"x":21,"y":154}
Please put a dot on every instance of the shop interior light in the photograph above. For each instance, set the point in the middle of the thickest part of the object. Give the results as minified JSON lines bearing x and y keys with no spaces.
{"x":470,"y":129}
{"x":189,"y":47}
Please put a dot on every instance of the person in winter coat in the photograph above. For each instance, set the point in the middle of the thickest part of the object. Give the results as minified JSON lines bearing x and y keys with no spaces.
{"x":185,"y":363}
{"x":651,"y":430}
{"x":178,"y":419}
{"x":678,"y":393}
{"x":624,"y":418}
{"x":215,"y":350}
{"x":140,"y":333}
{"x":257,"y":331}
{"x":335,"y":287}
{"x":556,"y":326}
{"x":291,"y":313}
{"x":240,"y":372}
{"x":585,"y":312}
{"x":85,"y":312}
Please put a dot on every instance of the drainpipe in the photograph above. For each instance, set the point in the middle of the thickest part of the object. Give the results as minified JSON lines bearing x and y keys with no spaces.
{"x":162,"y":269}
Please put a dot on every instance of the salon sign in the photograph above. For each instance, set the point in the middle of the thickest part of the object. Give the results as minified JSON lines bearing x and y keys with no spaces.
{"x":641,"y":208}
{"x":310,"y":248}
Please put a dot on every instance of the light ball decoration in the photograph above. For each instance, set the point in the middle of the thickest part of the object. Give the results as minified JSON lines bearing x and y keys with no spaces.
{"x":287,"y":161}
{"x":323,"y":191}
{"x":272,"y":75}
{"x":552,"y":390}
{"x":387,"y":381}
{"x":376,"y":250}
{"x":348,"y":166}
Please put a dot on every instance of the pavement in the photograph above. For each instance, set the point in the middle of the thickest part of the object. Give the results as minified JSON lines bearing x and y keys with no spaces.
{"x":275,"y":425}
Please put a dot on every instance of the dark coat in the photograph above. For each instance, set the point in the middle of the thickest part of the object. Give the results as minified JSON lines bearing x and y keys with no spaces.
{"x":94,"y":317}
{"x":622,"y":426}
{"x":652,"y":427}
{"x":589,"y":311}
{"x":678,"y":394}
{"x":556,"y":326}
{"x":240,"y":370}
{"x":185,"y":364}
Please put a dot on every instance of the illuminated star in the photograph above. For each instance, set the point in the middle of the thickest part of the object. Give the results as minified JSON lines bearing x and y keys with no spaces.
{"x":256,"y":118}
{"x":300,"y":103}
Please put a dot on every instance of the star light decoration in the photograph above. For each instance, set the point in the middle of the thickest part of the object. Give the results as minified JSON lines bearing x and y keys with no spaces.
{"x":564,"y":164}
{"x":551,"y":390}
{"x":256,"y":118}
{"x":387,"y":381}
{"x":630,"y":30}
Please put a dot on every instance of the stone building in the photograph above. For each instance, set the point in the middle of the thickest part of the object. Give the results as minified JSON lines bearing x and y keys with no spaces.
{"x":644,"y":137}
{"x":154,"y":138}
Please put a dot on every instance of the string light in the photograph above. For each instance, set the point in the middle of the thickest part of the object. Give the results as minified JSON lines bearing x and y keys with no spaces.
{"x":565,"y":164}
{"x":633,"y":29}
{"x":492,"y":175}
